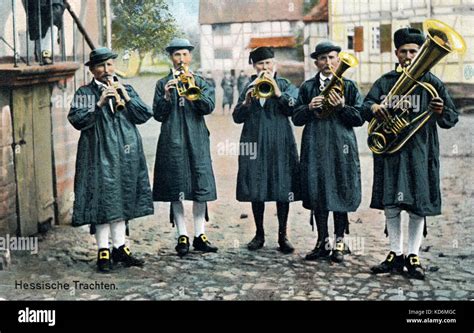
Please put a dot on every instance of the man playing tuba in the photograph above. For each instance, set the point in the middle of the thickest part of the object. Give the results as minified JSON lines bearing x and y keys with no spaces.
{"x":330,"y":169}
{"x":409,"y":178}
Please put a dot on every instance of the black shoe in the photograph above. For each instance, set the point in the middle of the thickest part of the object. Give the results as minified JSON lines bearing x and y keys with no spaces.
{"x":393,"y":264}
{"x":123,"y":255}
{"x":337,"y":254}
{"x":201,"y":243}
{"x":183,"y":246}
{"x":104,"y":264}
{"x":256,"y":243}
{"x":319,"y":252}
{"x":413,"y":265}
{"x":285,"y":245}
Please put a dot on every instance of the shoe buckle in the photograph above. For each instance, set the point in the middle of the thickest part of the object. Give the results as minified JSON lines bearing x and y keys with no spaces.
{"x":127,"y":250}
{"x":415,"y":261}
{"x":104,"y":255}
{"x":204,"y":238}
{"x":390,"y":257}
{"x":182,"y":240}
{"x":339,"y":246}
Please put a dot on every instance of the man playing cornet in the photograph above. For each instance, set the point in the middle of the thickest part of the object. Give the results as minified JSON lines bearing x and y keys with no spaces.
{"x":183,"y":167}
{"x":111,"y":184}
{"x":330,"y":168}
{"x":271,"y":173}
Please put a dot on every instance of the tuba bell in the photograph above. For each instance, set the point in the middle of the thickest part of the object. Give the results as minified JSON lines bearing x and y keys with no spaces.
{"x":263,"y":87}
{"x":336,"y":83}
{"x":391,"y":134}
{"x":185,"y":85}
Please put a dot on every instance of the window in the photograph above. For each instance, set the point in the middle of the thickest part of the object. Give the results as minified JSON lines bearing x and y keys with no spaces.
{"x":350,"y":38}
{"x":221,"y":29}
{"x":222,"y":53}
{"x":375,"y":39}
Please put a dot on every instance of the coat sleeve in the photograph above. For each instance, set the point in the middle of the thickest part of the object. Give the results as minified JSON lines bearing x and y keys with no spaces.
{"x":302,"y":114}
{"x":350,"y":114}
{"x":287,"y":100}
{"x":83,"y":111}
{"x":450,"y":116}
{"x":161,"y":107}
{"x":205,"y":105}
{"x":137,"y":111}
{"x":372,"y":97}
{"x":242,"y":112}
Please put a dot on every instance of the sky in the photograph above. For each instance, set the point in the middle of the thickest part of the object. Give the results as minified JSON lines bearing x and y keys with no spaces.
{"x":185,"y":12}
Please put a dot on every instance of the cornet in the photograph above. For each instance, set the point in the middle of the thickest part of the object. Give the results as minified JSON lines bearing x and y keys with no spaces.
{"x":186,"y":85}
{"x":263,"y":87}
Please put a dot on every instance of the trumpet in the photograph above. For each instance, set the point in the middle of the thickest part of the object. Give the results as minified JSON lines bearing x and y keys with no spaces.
{"x":263,"y":87}
{"x":336,"y":83}
{"x":186,"y":85}
{"x":390,"y":135}
{"x":119,"y":102}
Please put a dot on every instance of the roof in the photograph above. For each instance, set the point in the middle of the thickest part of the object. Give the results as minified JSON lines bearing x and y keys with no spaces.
{"x":318,"y":13}
{"x":276,"y":42}
{"x":231,"y":11}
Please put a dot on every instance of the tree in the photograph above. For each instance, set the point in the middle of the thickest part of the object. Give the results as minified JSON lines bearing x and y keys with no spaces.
{"x":142,"y":25}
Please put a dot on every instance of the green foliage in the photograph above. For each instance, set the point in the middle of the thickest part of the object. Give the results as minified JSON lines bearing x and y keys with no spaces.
{"x":308,"y":5}
{"x":142,"y":25}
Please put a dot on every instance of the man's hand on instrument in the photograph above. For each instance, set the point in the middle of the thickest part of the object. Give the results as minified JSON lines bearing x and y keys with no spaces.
{"x":121,"y":88}
{"x":248,"y":96}
{"x":379,"y":112}
{"x":171,"y":84}
{"x":107,"y":93}
{"x":437,"y":105}
{"x":335,"y":100}
{"x":316,"y":102}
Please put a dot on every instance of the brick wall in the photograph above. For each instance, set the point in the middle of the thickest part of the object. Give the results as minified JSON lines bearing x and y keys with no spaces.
{"x":8,"y":216}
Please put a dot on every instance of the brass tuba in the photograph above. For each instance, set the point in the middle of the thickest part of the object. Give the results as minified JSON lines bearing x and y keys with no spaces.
{"x":185,"y":85}
{"x":391,"y":134}
{"x":336,"y":83}
{"x":263,"y":87}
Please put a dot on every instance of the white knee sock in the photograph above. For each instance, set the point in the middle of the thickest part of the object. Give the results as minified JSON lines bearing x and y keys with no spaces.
{"x":117,"y":230}
{"x":394,"y":228}
{"x":199,"y":212}
{"x":415,"y":233}
{"x":46,"y":41}
{"x":102,"y":235}
{"x":178,"y":213}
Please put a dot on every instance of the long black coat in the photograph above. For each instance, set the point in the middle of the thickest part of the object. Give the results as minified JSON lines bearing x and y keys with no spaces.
{"x":273,"y":173}
{"x":34,"y":19}
{"x":111,"y":182}
{"x":183,"y":166}
{"x":330,"y":167}
{"x":409,"y":178}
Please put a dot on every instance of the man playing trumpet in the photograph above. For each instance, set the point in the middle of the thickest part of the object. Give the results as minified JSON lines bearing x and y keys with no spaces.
{"x":409,"y":178}
{"x":330,"y":168}
{"x":272,"y":174}
{"x":183,"y":167}
{"x":111,"y":184}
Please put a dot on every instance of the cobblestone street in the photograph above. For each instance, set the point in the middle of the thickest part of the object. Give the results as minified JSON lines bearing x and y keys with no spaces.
{"x":68,"y":254}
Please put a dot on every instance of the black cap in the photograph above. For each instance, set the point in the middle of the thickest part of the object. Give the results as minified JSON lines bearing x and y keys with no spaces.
{"x":99,"y":55}
{"x":179,"y":44}
{"x":408,"y":36}
{"x":260,"y":53}
{"x":324,"y":47}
